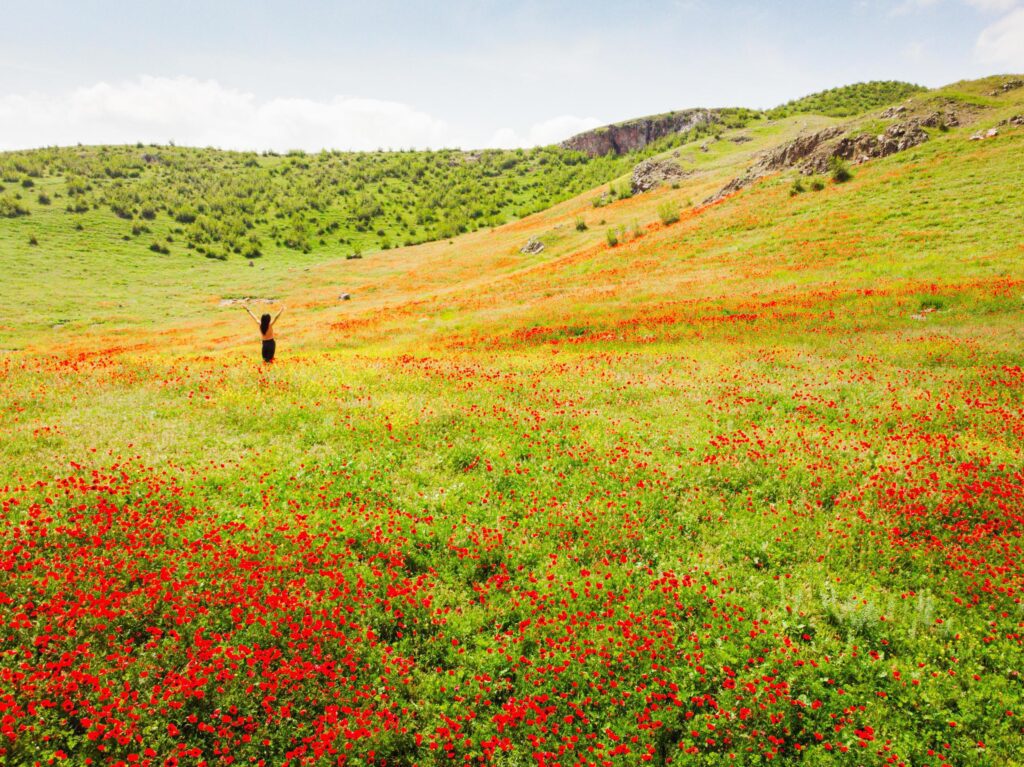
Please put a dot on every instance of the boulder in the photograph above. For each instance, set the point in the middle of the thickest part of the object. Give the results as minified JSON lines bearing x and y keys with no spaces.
{"x":532,"y":247}
{"x":650,"y":174}
{"x":891,"y":112}
{"x":941,"y":120}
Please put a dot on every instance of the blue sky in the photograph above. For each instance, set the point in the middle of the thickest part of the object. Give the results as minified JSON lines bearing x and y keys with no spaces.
{"x":471,"y":73}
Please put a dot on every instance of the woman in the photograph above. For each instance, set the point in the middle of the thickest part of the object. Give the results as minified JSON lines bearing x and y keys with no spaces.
{"x":266,"y":333}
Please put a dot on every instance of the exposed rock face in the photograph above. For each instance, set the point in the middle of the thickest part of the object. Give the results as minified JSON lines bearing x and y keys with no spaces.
{"x":532,"y":246}
{"x":947,"y":119}
{"x":788,"y":155}
{"x":636,"y":134}
{"x":651,"y":174}
{"x":898,"y":137}
{"x":813,"y":152}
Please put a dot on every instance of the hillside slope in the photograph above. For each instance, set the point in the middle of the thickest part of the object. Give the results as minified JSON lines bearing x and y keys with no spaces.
{"x":741,"y":488}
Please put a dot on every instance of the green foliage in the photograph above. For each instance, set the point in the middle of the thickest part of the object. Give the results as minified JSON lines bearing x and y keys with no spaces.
{"x":817,"y":185}
{"x":369,"y":199}
{"x":11,"y":208}
{"x":839,"y":170}
{"x":581,"y":225}
{"x":612,"y":237}
{"x":847,"y":100}
{"x":668,"y":212}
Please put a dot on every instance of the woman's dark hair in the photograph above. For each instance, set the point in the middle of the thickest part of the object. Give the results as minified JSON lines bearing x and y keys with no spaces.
{"x":264,"y":323}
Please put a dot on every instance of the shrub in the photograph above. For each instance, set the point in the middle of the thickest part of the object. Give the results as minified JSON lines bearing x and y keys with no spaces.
{"x":44,"y":199}
{"x":32,"y":240}
{"x":668,"y":212}
{"x":637,"y":230}
{"x":839,"y":169}
{"x":11,"y":208}
{"x":817,"y":185}
{"x":581,"y":225}
{"x":157,"y":247}
{"x":797,"y":188}
{"x":612,"y":236}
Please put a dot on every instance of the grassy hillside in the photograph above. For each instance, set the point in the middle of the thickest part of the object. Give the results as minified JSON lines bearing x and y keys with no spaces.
{"x":848,"y":100}
{"x":743,"y":488}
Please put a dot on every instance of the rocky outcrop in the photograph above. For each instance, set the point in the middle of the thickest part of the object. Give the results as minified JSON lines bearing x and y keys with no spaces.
{"x":898,"y":137}
{"x":651,"y":174}
{"x":813,"y":153}
{"x":532,"y":247}
{"x":785,"y":156}
{"x":1009,"y":85}
{"x":636,"y":134}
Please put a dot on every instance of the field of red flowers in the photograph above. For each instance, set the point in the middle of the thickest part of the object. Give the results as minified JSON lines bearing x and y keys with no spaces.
{"x":724,"y":495}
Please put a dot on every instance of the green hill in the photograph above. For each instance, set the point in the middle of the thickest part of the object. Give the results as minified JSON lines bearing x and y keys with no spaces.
{"x":847,"y":100}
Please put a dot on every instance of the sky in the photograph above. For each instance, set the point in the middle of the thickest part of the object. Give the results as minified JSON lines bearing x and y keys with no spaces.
{"x":334,"y":74}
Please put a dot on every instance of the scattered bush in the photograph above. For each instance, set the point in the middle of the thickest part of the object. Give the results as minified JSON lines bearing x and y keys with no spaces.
{"x":817,"y":185}
{"x":797,"y":188}
{"x":581,"y":225}
{"x":11,"y":208}
{"x":33,"y":240}
{"x":44,"y":199}
{"x":612,"y":236}
{"x":158,"y":247}
{"x":668,"y":212}
{"x":840,"y":170}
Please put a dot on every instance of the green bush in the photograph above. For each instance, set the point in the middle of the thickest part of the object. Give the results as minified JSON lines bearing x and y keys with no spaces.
{"x":817,"y":185}
{"x":581,"y":225}
{"x":797,"y":188}
{"x":668,"y":212}
{"x":11,"y":208}
{"x":612,"y":236}
{"x":839,"y":169}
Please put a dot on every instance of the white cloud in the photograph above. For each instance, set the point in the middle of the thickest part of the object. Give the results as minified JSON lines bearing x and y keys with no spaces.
{"x":204,"y":113}
{"x":547,"y":132}
{"x":1002,"y":43}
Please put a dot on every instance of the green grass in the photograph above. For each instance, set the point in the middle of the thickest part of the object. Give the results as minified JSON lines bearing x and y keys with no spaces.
{"x":753,"y":475}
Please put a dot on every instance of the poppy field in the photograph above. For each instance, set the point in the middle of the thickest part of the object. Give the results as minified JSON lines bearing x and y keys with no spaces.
{"x":743,"y":489}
